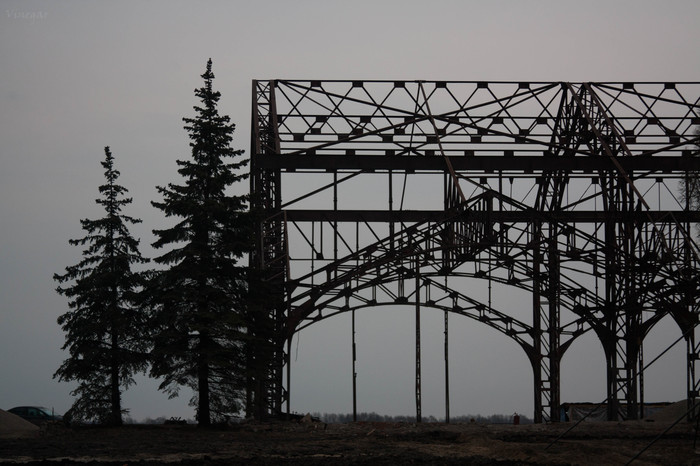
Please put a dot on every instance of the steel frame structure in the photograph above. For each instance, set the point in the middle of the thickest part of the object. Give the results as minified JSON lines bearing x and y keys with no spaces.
{"x":567,"y":191}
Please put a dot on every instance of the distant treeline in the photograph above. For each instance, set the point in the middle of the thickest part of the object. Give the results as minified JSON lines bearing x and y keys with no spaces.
{"x":335,"y":418}
{"x":332,"y":418}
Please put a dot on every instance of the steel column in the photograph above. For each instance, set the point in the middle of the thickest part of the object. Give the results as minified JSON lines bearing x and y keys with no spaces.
{"x":354,"y":371}
{"x":419,"y":383}
{"x":447,"y":370}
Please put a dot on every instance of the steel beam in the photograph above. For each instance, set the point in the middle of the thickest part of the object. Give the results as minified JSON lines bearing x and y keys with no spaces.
{"x":414,"y":216}
{"x":523,"y":164}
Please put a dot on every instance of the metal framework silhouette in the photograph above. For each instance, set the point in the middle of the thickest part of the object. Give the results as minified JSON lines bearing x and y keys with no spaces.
{"x":447,"y":194}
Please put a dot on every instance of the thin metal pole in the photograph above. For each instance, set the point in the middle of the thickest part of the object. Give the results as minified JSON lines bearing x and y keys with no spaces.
{"x":447,"y":372}
{"x":640,"y":375}
{"x":335,"y":222}
{"x":354,"y":371}
{"x":391,"y":207}
{"x":540,"y":415}
{"x":289,"y":375}
{"x":418,"y":365}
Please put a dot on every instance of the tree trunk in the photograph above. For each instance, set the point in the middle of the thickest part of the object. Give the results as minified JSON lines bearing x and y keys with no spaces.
{"x":116,"y":404}
{"x":203,"y":413}
{"x":115,"y":393}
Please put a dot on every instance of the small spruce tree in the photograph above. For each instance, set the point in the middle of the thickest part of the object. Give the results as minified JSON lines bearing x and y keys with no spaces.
{"x":104,"y":328}
{"x":198,"y":299}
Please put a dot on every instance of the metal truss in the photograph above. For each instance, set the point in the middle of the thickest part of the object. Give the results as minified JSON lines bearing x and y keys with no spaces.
{"x":436,"y":194}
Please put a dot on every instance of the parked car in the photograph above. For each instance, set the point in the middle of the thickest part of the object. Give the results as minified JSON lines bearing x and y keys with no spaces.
{"x":35,"y":414}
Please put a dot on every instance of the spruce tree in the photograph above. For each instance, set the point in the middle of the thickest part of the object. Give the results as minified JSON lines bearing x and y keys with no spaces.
{"x":198,"y":299}
{"x":104,"y":328}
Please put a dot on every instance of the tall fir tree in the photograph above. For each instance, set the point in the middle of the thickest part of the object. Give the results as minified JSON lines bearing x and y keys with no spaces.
{"x":198,"y":299}
{"x":104,"y":328}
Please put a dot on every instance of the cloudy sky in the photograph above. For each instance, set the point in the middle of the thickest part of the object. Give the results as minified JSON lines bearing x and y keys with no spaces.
{"x":76,"y":76}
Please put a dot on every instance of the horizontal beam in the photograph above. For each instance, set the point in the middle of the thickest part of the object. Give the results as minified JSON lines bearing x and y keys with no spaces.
{"x":524,"y":84}
{"x":525,"y":164}
{"x":414,"y":216}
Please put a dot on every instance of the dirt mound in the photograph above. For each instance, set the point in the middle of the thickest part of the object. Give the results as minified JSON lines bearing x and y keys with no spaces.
{"x":670,"y":413}
{"x":15,"y":426}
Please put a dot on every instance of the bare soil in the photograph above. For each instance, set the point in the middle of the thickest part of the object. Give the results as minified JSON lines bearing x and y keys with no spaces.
{"x":293,"y":443}
{"x":15,"y":426}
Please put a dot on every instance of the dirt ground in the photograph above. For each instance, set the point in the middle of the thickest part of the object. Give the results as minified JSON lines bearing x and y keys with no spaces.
{"x":292,"y":443}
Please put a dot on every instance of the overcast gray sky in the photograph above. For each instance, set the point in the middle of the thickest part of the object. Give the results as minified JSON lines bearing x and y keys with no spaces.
{"x":76,"y":76}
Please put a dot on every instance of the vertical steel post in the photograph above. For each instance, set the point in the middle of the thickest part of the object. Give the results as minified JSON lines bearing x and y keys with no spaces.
{"x":641,"y":382}
{"x":266,"y":358}
{"x":392,"y":228}
{"x":418,"y":359}
{"x":447,"y":372}
{"x":537,"y":324}
{"x":553,"y":324}
{"x":335,"y":222}
{"x":692,"y":383}
{"x":354,"y":371}
{"x":690,"y":303}
{"x":289,"y":375}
